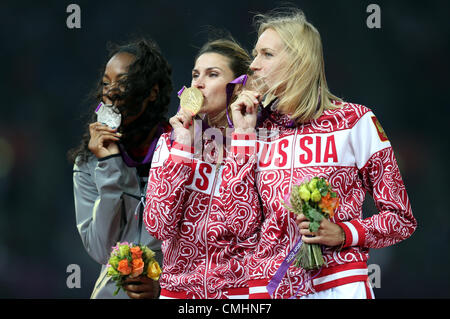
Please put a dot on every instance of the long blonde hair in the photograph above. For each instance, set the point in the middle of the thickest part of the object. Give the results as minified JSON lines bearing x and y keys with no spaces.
{"x":304,"y":91}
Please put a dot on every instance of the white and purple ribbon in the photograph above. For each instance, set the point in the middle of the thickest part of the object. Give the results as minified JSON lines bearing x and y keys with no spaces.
{"x":281,"y":272}
{"x":276,"y":279}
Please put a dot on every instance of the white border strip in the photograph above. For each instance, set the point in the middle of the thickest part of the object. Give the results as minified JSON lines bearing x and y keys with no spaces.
{"x":355,"y":236}
{"x":243,"y":142}
{"x":257,"y":290}
{"x":339,"y":275}
{"x":237,"y":296}
{"x":181,"y":153}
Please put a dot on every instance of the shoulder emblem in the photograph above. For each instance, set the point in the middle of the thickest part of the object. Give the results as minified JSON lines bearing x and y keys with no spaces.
{"x":381,"y":134}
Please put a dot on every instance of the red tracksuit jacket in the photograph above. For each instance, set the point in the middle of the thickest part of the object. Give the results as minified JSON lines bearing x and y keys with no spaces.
{"x":348,"y":147}
{"x":203,"y":246}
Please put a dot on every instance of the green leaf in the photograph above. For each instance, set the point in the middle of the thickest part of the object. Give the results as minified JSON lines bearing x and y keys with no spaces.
{"x":314,"y":226}
{"x":323,"y":187}
{"x":316,"y":216}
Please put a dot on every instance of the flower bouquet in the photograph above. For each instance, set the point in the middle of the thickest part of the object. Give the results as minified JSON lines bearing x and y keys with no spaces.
{"x":129,"y":261}
{"x":316,"y":200}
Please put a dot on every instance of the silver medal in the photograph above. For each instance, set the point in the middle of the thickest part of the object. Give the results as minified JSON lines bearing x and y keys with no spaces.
{"x":108,"y":114}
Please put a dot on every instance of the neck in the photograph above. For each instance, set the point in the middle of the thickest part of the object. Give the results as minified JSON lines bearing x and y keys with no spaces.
{"x":150,"y":136}
{"x":217,"y":120}
{"x":139,"y":140}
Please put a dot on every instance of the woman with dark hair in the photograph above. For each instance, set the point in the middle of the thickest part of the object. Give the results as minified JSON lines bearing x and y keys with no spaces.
{"x":204,"y":248}
{"x":111,"y":164}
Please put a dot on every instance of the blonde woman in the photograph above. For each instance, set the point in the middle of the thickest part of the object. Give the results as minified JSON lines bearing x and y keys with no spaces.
{"x":310,"y":132}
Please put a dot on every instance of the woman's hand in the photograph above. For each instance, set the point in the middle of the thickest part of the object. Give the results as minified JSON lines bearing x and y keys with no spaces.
{"x":103,"y":140}
{"x":141,"y":287}
{"x":183,"y":127}
{"x":328,"y":234}
{"x":244,"y":111}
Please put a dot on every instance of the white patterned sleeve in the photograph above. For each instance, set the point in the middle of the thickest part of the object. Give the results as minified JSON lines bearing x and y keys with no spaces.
{"x":381,"y":178}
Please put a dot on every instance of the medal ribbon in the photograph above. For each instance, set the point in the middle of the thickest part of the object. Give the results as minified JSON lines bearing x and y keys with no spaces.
{"x":276,"y":279}
{"x":131,"y":162}
{"x":281,"y":272}
{"x":229,"y":89}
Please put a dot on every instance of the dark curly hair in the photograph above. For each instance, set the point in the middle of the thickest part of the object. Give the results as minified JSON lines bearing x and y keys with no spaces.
{"x":148,"y":69}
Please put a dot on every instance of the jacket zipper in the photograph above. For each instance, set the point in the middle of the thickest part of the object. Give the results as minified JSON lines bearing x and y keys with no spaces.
{"x":141,"y":209}
{"x":290,"y":186}
{"x":141,"y":199}
{"x":206,"y":231}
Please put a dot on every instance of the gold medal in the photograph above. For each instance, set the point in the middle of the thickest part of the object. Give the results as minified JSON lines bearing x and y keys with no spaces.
{"x":191,"y":100}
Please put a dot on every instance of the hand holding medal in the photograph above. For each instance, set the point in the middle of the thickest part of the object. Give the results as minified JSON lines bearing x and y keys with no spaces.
{"x":103,"y":133}
{"x":191,"y":101}
{"x":245,"y":107}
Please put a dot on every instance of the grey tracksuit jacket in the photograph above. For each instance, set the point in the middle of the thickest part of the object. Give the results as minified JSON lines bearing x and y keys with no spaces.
{"x":108,"y":210}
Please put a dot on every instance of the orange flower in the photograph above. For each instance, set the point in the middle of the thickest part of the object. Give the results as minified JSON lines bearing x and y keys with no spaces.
{"x":329,"y":204}
{"x":136,"y":252}
{"x":138,"y":267}
{"x":123,"y":267}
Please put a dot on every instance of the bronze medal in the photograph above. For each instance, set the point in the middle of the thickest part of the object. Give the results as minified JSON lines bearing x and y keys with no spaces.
{"x":191,"y":100}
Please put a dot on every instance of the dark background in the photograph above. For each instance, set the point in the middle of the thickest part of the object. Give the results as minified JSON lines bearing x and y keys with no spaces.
{"x":47,"y":69}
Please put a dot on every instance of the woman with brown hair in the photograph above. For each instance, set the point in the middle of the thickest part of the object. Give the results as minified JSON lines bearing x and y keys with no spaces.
{"x":204,"y":247}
